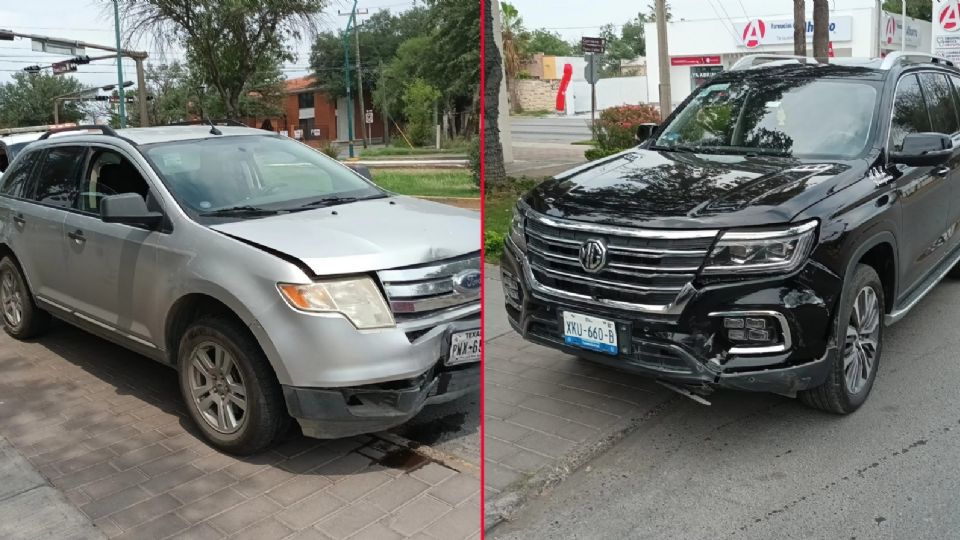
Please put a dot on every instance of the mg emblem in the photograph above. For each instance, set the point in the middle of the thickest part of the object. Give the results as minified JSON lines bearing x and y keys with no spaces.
{"x":593,"y":255}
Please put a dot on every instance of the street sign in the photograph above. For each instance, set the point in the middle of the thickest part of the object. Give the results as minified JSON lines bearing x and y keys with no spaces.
{"x":368,"y":116}
{"x":56,"y":47}
{"x":60,"y":68}
{"x":592,"y":44}
{"x":591,"y":72}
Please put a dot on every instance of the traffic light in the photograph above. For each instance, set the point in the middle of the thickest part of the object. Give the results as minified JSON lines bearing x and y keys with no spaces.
{"x":33,"y":70}
{"x":6,"y":35}
{"x":82,"y":59}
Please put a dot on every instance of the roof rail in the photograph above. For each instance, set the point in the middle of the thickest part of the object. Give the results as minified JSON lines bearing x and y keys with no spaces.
{"x":896,"y":57}
{"x":750,"y":61}
{"x":34,"y":129}
{"x":207,"y":122}
{"x":106,"y":130}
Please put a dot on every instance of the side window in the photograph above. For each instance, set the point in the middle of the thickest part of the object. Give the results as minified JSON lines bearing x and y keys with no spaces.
{"x":909,"y":112}
{"x":940,"y":102}
{"x":109,"y":173}
{"x":57,"y":180}
{"x":15,"y":178}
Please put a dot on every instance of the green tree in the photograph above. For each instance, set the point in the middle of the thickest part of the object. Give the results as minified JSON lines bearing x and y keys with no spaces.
{"x":514,"y":47}
{"x":227,"y":41}
{"x":548,"y":43}
{"x":28,"y":100}
{"x":419,"y":100}
{"x":494,"y":172}
{"x":918,"y":9}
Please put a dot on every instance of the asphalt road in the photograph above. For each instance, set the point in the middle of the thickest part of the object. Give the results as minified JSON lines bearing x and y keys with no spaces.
{"x":550,"y":129}
{"x":764,"y":466}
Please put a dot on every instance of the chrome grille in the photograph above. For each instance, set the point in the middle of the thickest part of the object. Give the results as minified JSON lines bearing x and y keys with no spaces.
{"x":424,"y":295}
{"x":647,"y":268}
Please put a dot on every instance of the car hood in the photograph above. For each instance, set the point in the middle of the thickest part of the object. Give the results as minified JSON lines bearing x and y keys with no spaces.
{"x":364,"y":236}
{"x":643,"y":188}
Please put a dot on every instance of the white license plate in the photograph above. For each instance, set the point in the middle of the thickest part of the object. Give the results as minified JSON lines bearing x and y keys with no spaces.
{"x":591,"y":333}
{"x":464,"y":347}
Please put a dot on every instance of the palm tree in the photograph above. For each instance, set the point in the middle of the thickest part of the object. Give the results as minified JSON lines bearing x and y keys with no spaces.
{"x":799,"y":28}
{"x":493,"y":167}
{"x":513,"y":35}
{"x":821,"y":30}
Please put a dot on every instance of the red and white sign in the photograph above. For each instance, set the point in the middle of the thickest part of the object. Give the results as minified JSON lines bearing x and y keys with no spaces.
{"x":949,"y":16}
{"x":753,"y":33}
{"x":713,"y":60}
{"x":830,"y":52}
{"x":890,"y":30}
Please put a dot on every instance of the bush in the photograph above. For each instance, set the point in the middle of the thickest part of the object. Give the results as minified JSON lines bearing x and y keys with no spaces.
{"x":330,"y":148}
{"x":616,"y":128}
{"x":492,"y":244}
{"x":473,"y":154}
{"x":418,"y":102}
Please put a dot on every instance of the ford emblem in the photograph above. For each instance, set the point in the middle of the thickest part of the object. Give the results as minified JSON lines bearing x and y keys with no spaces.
{"x":467,"y":281}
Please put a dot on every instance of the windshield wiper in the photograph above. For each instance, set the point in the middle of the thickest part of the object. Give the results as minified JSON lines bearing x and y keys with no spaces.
{"x":686,"y":149}
{"x":335,"y":200}
{"x":240,"y":210}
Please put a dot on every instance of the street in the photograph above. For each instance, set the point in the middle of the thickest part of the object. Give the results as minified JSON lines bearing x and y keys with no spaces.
{"x":550,"y":129}
{"x":106,"y":428}
{"x":750,"y":465}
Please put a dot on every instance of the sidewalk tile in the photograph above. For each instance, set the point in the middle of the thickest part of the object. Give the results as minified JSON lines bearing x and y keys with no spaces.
{"x":268,"y":529}
{"x":244,"y":515}
{"x":417,"y":515}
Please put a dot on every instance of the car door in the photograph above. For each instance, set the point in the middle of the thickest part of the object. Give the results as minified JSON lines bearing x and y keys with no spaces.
{"x":113,"y":264}
{"x":938,"y":94}
{"x":38,"y":217}
{"x":925,"y":196}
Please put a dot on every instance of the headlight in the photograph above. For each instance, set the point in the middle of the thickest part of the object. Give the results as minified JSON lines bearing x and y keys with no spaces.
{"x":518,"y":224}
{"x":764,"y":251}
{"x":357,"y":298}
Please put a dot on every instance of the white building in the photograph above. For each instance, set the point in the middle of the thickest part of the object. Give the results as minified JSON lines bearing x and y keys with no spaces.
{"x":700,"y":48}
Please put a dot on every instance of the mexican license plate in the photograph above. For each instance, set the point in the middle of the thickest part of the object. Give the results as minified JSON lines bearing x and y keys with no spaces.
{"x":589,"y":332}
{"x":464,"y":347}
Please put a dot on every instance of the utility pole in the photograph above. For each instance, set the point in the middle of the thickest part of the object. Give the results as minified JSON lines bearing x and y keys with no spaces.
{"x":363,"y":106}
{"x":116,"y":28}
{"x":383,"y":106}
{"x":346,"y":75}
{"x":903,"y":25}
{"x":664,"y":58}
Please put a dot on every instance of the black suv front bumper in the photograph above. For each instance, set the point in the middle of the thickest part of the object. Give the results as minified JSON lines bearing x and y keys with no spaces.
{"x":690,"y":349}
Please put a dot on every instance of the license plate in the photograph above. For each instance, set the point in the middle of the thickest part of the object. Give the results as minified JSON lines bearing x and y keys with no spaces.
{"x":591,"y":333}
{"x":464,"y":347}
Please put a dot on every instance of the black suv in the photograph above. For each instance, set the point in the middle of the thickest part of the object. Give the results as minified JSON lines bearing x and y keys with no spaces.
{"x":760,"y":238}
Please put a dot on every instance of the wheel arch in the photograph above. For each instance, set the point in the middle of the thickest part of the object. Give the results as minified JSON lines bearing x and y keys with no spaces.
{"x":880,"y":253}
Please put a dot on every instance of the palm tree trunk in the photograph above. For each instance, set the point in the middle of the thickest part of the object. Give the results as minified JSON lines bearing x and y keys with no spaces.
{"x":821,"y":30}
{"x":799,"y":28}
{"x":494,"y":171}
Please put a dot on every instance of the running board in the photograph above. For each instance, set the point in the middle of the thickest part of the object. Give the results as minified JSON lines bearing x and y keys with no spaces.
{"x":685,"y":392}
{"x":897,"y":314}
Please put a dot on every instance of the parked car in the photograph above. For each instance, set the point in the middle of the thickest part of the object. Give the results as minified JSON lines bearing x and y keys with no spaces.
{"x":760,"y":238}
{"x":279,"y":283}
{"x":13,"y":140}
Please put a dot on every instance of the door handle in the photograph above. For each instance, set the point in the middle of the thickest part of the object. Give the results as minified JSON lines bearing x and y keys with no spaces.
{"x":18,"y":220}
{"x":77,"y":236}
{"x":942,"y":170}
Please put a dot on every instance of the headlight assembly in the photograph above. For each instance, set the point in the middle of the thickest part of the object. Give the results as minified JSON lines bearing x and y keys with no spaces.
{"x":357,"y":298}
{"x":763,"y":251}
{"x":518,"y":224}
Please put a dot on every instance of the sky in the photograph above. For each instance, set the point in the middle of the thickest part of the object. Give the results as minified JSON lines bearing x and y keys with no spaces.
{"x":573,"y":19}
{"x":91,"y":21}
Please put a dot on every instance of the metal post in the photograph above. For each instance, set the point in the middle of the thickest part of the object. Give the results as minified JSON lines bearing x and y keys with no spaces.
{"x":123,"y":99}
{"x":346,"y":78}
{"x":383,"y":105}
{"x":363,"y":106}
{"x":903,"y":25}
{"x":56,"y":111}
{"x":593,"y":97}
{"x":664,"y":58}
{"x":142,"y":93}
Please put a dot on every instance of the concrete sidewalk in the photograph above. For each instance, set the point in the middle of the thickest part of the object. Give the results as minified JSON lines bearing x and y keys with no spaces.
{"x":537,"y":159}
{"x":31,"y":508}
{"x":547,"y":413}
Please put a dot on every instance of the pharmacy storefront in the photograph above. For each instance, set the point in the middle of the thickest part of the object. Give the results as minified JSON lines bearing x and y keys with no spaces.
{"x":698,"y":49}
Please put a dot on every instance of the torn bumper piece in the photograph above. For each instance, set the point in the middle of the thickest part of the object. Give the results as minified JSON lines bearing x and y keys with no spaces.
{"x":333,"y":413}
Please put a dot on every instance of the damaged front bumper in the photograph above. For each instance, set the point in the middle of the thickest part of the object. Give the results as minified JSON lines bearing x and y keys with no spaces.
{"x":692,"y":348}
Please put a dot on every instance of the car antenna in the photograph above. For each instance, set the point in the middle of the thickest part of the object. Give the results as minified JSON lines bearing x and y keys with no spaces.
{"x":213,"y":127}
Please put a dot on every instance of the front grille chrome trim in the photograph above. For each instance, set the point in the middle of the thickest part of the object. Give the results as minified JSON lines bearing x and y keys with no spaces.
{"x":655,"y":234}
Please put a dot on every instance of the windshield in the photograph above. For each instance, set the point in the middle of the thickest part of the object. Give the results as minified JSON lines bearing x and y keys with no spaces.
{"x":253,"y":174}
{"x":789,"y":117}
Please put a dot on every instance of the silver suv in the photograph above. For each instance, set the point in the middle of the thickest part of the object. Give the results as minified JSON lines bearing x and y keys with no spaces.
{"x":280,"y":283}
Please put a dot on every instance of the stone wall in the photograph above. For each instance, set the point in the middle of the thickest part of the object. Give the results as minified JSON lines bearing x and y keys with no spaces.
{"x":537,"y":95}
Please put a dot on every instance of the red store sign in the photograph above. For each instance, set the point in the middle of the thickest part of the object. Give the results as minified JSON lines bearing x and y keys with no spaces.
{"x":695,"y":60}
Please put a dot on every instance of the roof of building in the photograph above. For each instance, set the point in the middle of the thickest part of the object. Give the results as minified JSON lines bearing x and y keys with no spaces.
{"x":300,"y":84}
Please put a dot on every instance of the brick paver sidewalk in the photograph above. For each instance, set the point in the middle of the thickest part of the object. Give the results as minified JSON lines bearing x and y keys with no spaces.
{"x":106,"y":426}
{"x":546,"y":412}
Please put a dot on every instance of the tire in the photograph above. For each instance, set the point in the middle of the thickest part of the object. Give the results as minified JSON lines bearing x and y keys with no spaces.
{"x":845,"y":390}
{"x":218,"y":357}
{"x":22,"y":319}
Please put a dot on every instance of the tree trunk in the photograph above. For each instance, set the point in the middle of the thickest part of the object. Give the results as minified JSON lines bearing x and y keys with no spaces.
{"x":493,"y":168}
{"x":821,"y":30}
{"x":799,"y":28}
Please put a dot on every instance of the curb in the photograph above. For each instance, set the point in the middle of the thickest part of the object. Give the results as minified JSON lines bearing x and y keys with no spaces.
{"x":513,"y":499}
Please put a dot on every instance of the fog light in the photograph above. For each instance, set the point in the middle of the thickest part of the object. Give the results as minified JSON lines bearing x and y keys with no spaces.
{"x":737,"y":335}
{"x":511,"y":289}
{"x":756,"y":323}
{"x":758,"y":335}
{"x":732,"y":323}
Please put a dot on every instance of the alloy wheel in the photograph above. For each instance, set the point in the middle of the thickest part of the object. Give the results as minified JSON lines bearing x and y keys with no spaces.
{"x":863,"y":334}
{"x":217,"y":387}
{"x":11,"y":299}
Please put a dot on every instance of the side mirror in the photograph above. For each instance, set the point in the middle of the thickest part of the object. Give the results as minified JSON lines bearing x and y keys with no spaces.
{"x":129,"y":209}
{"x":645,"y":131}
{"x":363,"y":171}
{"x":923,"y":150}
